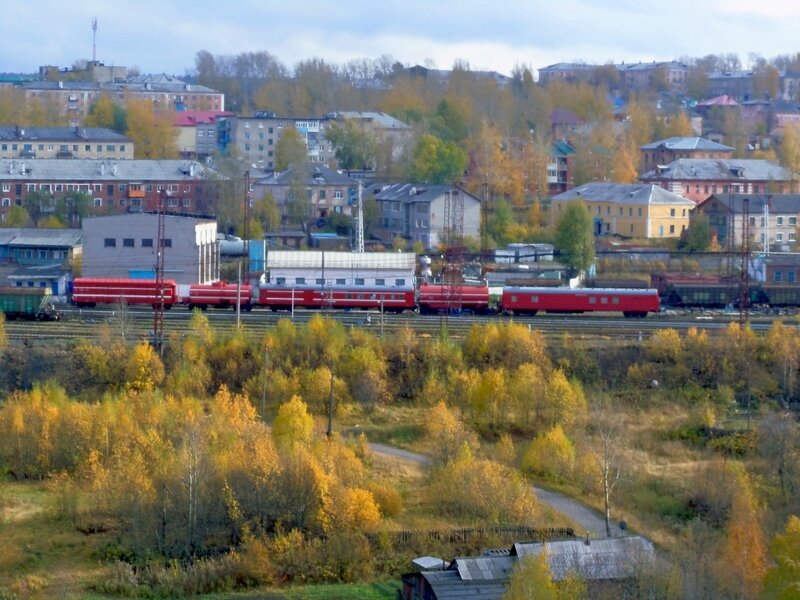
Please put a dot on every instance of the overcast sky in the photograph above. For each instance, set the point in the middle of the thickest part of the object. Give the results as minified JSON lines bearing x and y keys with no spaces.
{"x":163,"y":36}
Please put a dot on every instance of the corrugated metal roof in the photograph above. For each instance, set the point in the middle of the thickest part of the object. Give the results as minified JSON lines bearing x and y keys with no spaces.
{"x":313,"y":259}
{"x":484,"y":568}
{"x":93,"y":170}
{"x":65,"y":134}
{"x":615,"y":558}
{"x":623,"y":193}
{"x":448,"y":585}
{"x":687,"y":143}
{"x":778,"y":203}
{"x":718,"y":169}
{"x":40,"y":237}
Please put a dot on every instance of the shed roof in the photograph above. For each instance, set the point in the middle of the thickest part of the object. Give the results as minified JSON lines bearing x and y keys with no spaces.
{"x":448,"y":585}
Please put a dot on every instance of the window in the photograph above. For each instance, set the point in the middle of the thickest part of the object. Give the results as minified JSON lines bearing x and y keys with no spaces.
{"x":282,"y":281}
{"x":110,"y":189}
{"x":320,"y":281}
{"x":98,"y":202}
{"x":792,"y":220}
{"x":110,"y":148}
{"x":167,"y":243}
{"x":399,"y":282}
{"x":380,"y":282}
{"x":672,"y":228}
{"x":620,"y":211}
{"x":87,"y":148}
{"x":671,"y":212}
{"x":778,"y":237}
{"x":110,"y":243}
{"x":127,"y":242}
{"x":630,"y":211}
{"x":778,"y":276}
{"x":359,"y":281}
{"x":337,"y":195}
{"x":790,"y":276}
{"x":640,"y":211}
{"x":6,"y":187}
{"x":5,"y":202}
{"x":340,"y":281}
{"x":779,"y":220}
{"x":792,"y":237}
{"x":322,"y":194}
{"x":299,"y":280}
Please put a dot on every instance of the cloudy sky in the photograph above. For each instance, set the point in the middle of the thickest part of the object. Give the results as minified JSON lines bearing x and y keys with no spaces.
{"x":160,"y":36}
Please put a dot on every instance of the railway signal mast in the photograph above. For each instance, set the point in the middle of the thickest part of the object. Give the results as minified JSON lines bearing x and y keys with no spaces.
{"x":453,"y":238}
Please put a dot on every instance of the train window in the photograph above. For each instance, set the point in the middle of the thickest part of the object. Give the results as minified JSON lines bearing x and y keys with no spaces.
{"x":320,"y":281}
{"x":534,"y":299}
{"x":340,"y":281}
{"x":299,"y":280}
{"x":380,"y":282}
{"x":399,"y":282}
{"x":592,"y":300}
{"x":359,"y":281}
{"x":513,"y":298}
{"x":615,"y":300}
{"x":280,"y":280}
{"x":603,"y":300}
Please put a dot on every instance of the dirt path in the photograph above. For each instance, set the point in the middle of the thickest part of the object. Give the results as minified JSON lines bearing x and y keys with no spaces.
{"x":588,"y":520}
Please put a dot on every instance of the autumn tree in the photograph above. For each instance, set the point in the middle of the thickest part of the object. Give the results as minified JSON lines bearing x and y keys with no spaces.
{"x":531,"y":579}
{"x":152,"y":131}
{"x":550,"y":455}
{"x":437,"y":161}
{"x":789,"y":148}
{"x":743,"y":560}
{"x":697,"y":237}
{"x":144,"y":370}
{"x":3,"y":337}
{"x":782,"y":580}
{"x":293,"y":425}
{"x":355,"y":148}
{"x":106,"y":113}
{"x":574,"y":237}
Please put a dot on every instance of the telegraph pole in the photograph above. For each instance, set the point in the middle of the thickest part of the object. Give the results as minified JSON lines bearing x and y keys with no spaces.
{"x":158,"y":312}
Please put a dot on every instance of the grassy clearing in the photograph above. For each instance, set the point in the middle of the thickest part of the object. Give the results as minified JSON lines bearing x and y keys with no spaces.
{"x":42,"y":556}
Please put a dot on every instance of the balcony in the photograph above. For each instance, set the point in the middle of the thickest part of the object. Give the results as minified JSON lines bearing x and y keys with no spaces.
{"x":135,"y":193}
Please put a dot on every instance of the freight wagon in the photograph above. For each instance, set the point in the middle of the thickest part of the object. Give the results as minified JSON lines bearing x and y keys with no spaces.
{"x":28,"y":303}
{"x":87,"y":292}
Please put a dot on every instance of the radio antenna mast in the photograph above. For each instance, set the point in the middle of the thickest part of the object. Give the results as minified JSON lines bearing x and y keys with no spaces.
{"x":94,"y":39}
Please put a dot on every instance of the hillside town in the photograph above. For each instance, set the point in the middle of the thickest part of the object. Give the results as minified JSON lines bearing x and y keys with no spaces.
{"x":480,"y":334}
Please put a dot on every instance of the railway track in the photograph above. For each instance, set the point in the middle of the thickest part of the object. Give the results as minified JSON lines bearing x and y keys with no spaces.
{"x":136,"y":324}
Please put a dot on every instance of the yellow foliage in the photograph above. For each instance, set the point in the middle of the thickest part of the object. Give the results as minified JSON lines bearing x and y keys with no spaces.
{"x":144,"y":370}
{"x":293,"y":425}
{"x":550,"y":455}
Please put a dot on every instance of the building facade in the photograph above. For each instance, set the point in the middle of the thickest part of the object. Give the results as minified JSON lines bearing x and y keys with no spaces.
{"x":629,"y":210}
{"x":64,"y":142}
{"x":111,"y":186}
{"x":771,"y":219}
{"x":699,"y":178}
{"x":416,"y":212}
{"x":197,"y":132}
{"x":664,"y":152}
{"x":75,"y":98}
{"x":125,"y":246}
{"x":326,"y":191}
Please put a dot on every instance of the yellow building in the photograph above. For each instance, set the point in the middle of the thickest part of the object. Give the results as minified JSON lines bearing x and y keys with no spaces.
{"x":630,"y":210}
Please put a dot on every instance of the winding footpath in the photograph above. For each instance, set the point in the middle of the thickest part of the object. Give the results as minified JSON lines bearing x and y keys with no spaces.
{"x":587,"y":519}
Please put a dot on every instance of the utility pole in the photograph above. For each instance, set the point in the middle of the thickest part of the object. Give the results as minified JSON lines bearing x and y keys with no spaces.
{"x":246,"y":227}
{"x":360,"y":222}
{"x":158,"y":312}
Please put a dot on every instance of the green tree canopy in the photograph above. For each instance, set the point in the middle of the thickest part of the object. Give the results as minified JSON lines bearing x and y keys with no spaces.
{"x":697,"y":237}
{"x":574,"y":238}
{"x":355,"y":148}
{"x":436,"y":161}
{"x":290,"y":150}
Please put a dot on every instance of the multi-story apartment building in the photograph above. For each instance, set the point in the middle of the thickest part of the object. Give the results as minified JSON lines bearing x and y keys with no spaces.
{"x":664,"y":152}
{"x":197,"y":132}
{"x":699,"y":178}
{"x":112,"y":186}
{"x":416,"y":212}
{"x":74,"y":98}
{"x":255,"y":139}
{"x":64,"y":142}
{"x":629,"y":210}
{"x":632,"y":77}
{"x":326,"y":191}
{"x":771,"y":219}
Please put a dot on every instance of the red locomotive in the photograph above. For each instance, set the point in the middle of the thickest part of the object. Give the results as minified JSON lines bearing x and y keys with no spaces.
{"x":530,"y":300}
{"x":88,"y":291}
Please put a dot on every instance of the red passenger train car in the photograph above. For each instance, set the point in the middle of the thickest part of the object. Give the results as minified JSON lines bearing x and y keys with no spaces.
{"x":88,"y":291}
{"x":434,"y":298}
{"x":220,"y":295}
{"x":530,"y":300}
{"x":280,"y":297}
